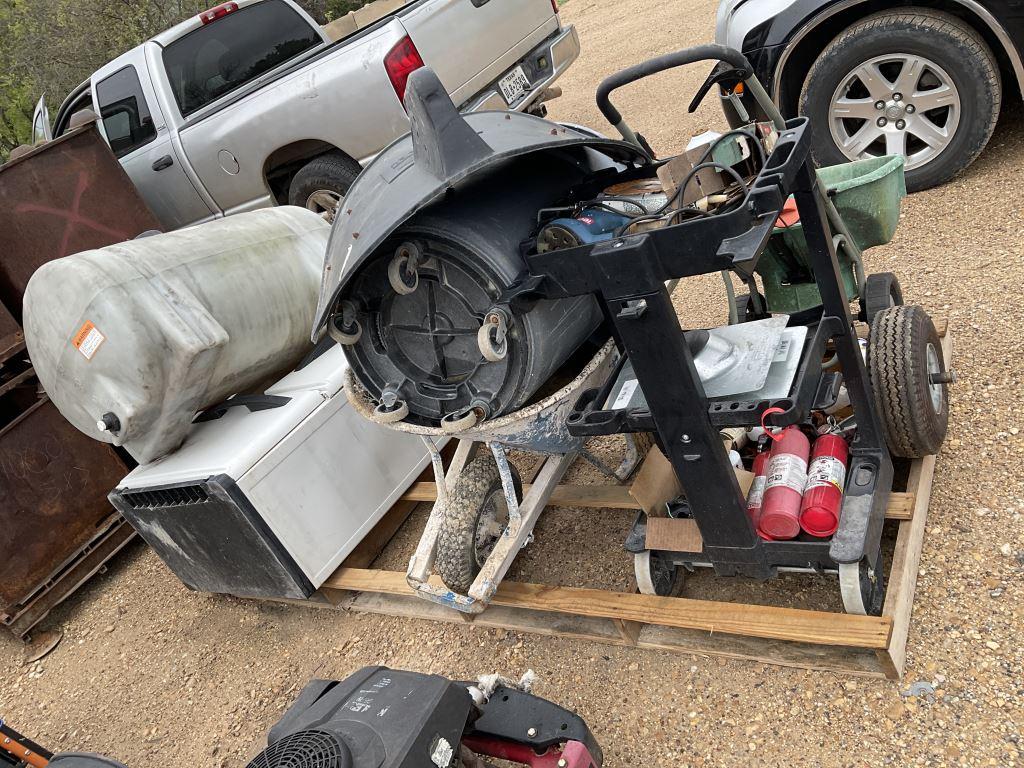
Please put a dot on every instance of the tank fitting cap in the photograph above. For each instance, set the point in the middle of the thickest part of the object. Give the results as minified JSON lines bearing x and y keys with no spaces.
{"x":108,"y":422}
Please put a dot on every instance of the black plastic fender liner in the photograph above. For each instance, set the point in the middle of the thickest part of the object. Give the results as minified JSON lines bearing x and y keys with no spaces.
{"x":418,"y":168}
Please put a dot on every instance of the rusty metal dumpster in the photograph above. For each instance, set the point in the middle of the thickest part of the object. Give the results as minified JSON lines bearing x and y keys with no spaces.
{"x":54,"y":482}
{"x":56,"y":526}
{"x":66,"y":196}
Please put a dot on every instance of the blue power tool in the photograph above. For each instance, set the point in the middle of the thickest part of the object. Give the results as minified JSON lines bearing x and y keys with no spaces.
{"x":591,"y":225}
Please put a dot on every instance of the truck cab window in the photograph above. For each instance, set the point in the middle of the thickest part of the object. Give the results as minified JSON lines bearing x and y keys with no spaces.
{"x":233,"y":50}
{"x":126,"y":118}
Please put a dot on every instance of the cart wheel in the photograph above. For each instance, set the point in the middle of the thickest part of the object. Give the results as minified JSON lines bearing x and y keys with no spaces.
{"x":492,"y":351}
{"x":881,"y":291}
{"x":345,"y":336}
{"x":475,"y":517}
{"x":908,"y":380}
{"x":459,"y":421}
{"x":656,"y":574}
{"x":382,"y":414}
{"x":402,"y":271}
{"x":861,"y":590}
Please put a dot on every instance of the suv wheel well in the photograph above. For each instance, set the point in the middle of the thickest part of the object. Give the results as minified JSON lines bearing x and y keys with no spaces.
{"x":807,"y":50}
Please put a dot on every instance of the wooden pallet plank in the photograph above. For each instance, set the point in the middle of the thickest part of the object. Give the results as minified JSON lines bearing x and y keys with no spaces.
{"x":825,"y":658}
{"x":409,"y":606}
{"x":941,"y":327}
{"x":369,"y":549}
{"x":682,"y":535}
{"x":901,"y":505}
{"x":906,"y":560}
{"x":751,"y":620}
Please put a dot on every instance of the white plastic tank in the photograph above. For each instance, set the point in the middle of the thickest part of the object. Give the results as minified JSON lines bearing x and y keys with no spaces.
{"x":131,"y":340}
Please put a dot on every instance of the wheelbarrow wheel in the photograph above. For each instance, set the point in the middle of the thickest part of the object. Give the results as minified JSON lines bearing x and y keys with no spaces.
{"x":475,"y":517}
{"x":906,"y":370}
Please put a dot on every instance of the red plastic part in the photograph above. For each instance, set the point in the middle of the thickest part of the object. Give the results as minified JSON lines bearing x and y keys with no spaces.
{"x":217,"y":12}
{"x":787,"y":471}
{"x":400,"y":62}
{"x":574,"y":753}
{"x":755,"y":498}
{"x":823,"y":497}
{"x":789,"y":215}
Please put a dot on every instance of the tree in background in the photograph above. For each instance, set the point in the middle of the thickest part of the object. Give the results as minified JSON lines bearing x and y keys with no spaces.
{"x":50,"y":46}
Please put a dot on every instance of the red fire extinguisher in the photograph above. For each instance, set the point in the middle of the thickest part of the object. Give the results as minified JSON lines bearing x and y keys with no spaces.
{"x":784,"y":485}
{"x":755,"y":496}
{"x":826,"y":479}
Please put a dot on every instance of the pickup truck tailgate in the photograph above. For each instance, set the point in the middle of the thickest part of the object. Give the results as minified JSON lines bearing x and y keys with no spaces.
{"x":489,"y":36}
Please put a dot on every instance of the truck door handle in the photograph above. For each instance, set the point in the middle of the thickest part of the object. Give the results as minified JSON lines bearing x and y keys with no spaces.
{"x":164,"y":162}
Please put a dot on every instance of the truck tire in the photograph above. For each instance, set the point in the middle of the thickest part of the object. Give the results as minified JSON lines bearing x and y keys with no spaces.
{"x":322,"y":183}
{"x":471,"y":518}
{"x":903,"y":351}
{"x":944,"y":120}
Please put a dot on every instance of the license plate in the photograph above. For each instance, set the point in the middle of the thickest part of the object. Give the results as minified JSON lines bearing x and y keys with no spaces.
{"x":513,"y":85}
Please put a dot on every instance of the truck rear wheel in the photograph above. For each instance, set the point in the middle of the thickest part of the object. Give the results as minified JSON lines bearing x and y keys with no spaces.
{"x":322,"y":183}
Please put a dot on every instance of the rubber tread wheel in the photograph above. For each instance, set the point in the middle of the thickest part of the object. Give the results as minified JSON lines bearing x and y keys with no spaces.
{"x":456,"y":561}
{"x":657,"y":575}
{"x":898,"y":353}
{"x":332,"y":172}
{"x":881,"y":291}
{"x":932,"y":35}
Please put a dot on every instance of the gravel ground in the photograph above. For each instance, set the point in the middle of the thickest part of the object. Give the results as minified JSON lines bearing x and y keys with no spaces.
{"x":155,"y":675}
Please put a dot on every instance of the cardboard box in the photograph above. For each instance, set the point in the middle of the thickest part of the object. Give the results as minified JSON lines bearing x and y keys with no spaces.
{"x":732,"y":152}
{"x":361,"y":18}
{"x":656,"y":483}
{"x":340,"y":28}
{"x":376,"y":11}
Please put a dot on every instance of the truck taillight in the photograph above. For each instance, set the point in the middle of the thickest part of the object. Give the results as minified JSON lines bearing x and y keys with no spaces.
{"x":217,"y":12}
{"x":400,"y":62}
{"x":554,"y":6}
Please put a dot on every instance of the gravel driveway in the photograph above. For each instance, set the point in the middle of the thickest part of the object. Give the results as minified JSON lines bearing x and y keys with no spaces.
{"x":157,"y":676}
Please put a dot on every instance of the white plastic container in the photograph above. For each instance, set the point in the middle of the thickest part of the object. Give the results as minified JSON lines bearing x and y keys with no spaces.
{"x":129,"y":341}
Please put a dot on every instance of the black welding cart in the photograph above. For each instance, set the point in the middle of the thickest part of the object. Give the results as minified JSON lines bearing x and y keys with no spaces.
{"x":628,"y":274}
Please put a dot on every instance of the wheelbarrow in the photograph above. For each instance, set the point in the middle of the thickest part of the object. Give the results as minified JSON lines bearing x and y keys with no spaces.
{"x":478,"y":524}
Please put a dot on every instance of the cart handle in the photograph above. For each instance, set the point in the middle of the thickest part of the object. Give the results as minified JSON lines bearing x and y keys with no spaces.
{"x":681,"y":58}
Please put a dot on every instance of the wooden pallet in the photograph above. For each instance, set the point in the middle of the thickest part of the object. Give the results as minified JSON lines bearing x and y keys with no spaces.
{"x":873,"y":646}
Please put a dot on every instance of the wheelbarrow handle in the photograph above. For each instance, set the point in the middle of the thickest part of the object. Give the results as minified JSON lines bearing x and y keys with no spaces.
{"x":681,"y":58}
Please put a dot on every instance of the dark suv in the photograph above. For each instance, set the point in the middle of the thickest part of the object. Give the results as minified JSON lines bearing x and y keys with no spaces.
{"x":879,"y":78}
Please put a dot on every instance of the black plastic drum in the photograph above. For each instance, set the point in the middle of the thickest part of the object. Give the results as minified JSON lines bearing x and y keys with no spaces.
{"x":419,"y":341}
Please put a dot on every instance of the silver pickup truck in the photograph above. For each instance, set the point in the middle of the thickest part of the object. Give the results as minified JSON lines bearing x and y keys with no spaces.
{"x":250,"y":104}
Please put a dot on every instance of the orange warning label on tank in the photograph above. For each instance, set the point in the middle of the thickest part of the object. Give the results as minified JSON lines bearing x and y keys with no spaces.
{"x":88,"y":339}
